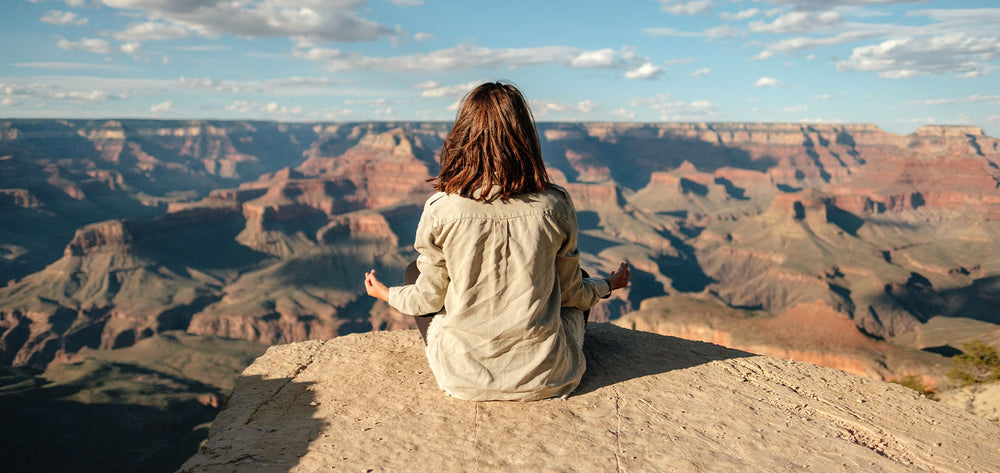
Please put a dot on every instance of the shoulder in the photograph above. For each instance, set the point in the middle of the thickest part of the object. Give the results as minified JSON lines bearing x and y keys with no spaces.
{"x":556,"y":188}
{"x":560,"y":196}
{"x":434,"y":198}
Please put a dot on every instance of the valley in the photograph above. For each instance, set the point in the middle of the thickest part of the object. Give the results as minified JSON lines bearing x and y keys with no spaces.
{"x":837,"y":244}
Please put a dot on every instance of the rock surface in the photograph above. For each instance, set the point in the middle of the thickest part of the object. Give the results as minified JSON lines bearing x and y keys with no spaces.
{"x":368,"y":402}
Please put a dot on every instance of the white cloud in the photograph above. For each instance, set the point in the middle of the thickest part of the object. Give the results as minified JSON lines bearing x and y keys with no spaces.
{"x":245,"y":107}
{"x":66,"y":65}
{"x":806,"y":42}
{"x":701,"y":72}
{"x":956,"y":53}
{"x":685,"y":7}
{"x":379,"y":102}
{"x":37,"y":90}
{"x":471,"y":56}
{"x":798,"y":22}
{"x":63,"y":18}
{"x":600,"y":58}
{"x":715,"y":32}
{"x":80,"y":96}
{"x":240,"y":106}
{"x":624,"y":114}
{"x":671,"y":32}
{"x":162,"y":107}
{"x":768,"y":82}
{"x":541,"y":108}
{"x":646,"y":71}
{"x":421,"y":36}
{"x":434,"y":89}
{"x":202,"y":47}
{"x":985,"y":16}
{"x":291,"y":86}
{"x":822,"y":97}
{"x":674,"y":62}
{"x":297,"y":82}
{"x":152,"y":31}
{"x":763,"y":55}
{"x":917,"y":120}
{"x":742,"y":15}
{"x":975,"y":98}
{"x":330,"y":20}
{"x":830,"y":4}
{"x":678,"y":110}
{"x":90,"y":45}
{"x":331,"y":113}
{"x":132,"y":49}
{"x":723,"y":31}
{"x":407,"y":3}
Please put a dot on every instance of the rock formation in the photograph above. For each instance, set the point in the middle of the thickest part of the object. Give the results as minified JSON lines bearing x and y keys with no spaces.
{"x":103,"y":293}
{"x":647,"y":403}
{"x":259,"y":230}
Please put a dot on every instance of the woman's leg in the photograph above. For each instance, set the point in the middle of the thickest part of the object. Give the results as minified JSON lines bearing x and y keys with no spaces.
{"x":423,"y":321}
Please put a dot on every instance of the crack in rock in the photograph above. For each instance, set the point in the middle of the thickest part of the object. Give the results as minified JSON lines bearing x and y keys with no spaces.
{"x":277,"y":392}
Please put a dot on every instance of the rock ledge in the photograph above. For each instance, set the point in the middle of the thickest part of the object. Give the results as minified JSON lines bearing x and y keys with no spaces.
{"x":368,"y":402}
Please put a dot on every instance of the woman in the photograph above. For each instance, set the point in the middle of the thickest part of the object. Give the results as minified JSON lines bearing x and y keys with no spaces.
{"x":498,"y":263}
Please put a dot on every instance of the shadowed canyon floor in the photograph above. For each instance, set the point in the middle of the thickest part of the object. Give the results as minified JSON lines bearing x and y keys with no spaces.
{"x":838,"y":244}
{"x":117,"y":230}
{"x":648,"y":402}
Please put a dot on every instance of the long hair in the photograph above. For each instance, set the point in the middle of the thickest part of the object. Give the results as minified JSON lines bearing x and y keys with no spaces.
{"x":493,"y":144}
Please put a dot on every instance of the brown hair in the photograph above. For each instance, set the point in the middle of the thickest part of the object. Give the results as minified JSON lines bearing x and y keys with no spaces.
{"x":492,"y":144}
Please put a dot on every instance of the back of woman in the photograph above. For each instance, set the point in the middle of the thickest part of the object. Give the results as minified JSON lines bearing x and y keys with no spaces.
{"x":498,"y":264}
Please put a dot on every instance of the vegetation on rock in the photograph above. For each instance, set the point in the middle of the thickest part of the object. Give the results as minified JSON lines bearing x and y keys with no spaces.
{"x":978,"y":363}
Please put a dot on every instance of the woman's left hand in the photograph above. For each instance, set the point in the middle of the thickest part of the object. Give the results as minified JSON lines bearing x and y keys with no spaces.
{"x":619,"y":279}
{"x":375,"y":288}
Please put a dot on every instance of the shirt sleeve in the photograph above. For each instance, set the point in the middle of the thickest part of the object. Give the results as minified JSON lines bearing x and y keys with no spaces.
{"x":577,"y":291}
{"x":426,"y":295}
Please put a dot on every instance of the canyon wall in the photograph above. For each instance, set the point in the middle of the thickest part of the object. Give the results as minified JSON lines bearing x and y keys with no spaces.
{"x":116,"y":230}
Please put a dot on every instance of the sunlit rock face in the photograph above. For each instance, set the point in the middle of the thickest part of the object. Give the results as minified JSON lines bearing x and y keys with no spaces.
{"x":647,"y":402}
{"x":827,"y":243}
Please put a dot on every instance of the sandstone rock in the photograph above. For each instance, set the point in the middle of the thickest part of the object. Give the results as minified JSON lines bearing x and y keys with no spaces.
{"x":647,"y":403}
{"x":18,"y":198}
{"x":110,"y":236}
{"x":756,"y":215}
{"x":982,"y":400}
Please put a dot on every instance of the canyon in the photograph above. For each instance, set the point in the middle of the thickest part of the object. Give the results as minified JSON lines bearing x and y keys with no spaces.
{"x":117,"y":230}
{"x":836,"y":244}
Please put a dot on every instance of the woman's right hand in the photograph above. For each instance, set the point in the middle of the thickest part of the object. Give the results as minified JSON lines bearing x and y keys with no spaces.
{"x":375,"y":288}
{"x":620,"y":278}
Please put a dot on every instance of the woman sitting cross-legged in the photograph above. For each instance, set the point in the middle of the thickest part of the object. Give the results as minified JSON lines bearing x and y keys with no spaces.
{"x":498,"y":264}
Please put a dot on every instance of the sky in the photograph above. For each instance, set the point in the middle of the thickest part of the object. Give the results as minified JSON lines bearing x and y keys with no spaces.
{"x":897,"y":64}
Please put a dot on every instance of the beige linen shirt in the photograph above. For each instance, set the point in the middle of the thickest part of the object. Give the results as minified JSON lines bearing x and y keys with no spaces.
{"x":504,"y":280}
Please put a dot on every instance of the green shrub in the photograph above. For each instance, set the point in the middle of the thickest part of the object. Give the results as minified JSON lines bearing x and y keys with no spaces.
{"x":979,"y":363}
{"x":916,"y":383}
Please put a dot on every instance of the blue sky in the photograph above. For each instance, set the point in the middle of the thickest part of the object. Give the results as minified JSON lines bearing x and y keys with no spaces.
{"x":898,"y":64}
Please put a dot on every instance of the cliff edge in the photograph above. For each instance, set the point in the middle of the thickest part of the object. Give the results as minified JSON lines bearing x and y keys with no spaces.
{"x":368,"y":402}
